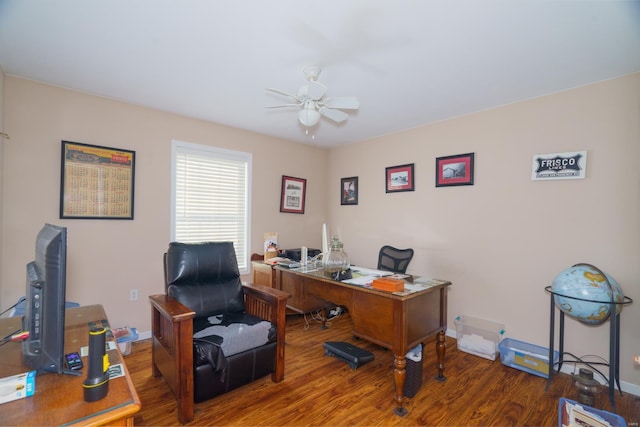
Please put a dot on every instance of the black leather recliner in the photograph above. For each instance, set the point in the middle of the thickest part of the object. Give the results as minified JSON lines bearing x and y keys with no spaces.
{"x":237,"y":331}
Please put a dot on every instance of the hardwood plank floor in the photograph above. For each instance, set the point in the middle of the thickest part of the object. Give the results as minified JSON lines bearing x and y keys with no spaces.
{"x":319,"y":390}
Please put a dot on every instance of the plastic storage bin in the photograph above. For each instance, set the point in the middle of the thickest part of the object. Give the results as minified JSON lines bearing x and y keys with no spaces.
{"x":530,"y":358}
{"x":584,"y":415}
{"x":479,"y":337}
{"x":124,"y":341}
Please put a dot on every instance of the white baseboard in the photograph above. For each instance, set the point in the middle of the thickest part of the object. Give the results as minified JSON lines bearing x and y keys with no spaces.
{"x":568,"y":368}
{"x":144,"y":335}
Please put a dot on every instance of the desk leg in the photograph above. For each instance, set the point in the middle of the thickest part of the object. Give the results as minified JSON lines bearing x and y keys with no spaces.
{"x":441,"y":348}
{"x":399,"y":376}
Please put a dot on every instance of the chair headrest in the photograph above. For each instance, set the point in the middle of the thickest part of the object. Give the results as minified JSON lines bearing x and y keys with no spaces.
{"x":200,"y":262}
{"x":204,"y":277}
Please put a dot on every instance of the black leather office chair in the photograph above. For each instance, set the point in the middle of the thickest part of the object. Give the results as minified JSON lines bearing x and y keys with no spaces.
{"x":393,"y":259}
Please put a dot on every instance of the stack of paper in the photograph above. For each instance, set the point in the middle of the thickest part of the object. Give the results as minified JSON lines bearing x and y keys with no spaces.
{"x":370,"y":271}
{"x":360,"y":280}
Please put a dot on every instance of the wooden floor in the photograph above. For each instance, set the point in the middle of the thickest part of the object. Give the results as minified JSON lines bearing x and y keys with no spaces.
{"x":320,"y":390}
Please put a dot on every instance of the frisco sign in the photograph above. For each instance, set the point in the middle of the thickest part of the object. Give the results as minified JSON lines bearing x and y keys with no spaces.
{"x":570,"y":165}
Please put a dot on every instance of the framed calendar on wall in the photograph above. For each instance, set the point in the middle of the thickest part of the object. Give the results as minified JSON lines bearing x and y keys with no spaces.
{"x":96,"y":182}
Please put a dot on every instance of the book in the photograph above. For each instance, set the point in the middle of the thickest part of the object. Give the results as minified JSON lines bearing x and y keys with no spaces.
{"x":17,"y":386}
{"x":289,"y":263}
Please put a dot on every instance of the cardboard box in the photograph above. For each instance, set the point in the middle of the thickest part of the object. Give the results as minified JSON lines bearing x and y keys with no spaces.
{"x":387,"y":284}
{"x":17,"y":386}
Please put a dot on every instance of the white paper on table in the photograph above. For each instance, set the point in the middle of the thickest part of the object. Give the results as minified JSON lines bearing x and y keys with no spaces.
{"x":360,"y":281}
{"x":371,"y":271}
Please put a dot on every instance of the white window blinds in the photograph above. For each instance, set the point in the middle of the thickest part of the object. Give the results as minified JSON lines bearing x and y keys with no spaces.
{"x":211,"y":196}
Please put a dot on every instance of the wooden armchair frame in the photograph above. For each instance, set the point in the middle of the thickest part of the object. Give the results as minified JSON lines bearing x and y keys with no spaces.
{"x":172,"y":339}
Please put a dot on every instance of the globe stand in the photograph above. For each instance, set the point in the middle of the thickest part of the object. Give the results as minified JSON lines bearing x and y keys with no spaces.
{"x":614,"y":338}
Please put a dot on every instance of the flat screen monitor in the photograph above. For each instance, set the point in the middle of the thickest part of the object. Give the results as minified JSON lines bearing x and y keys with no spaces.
{"x":44,"y":315}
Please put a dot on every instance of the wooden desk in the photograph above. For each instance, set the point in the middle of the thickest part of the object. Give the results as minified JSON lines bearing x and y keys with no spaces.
{"x":395,"y":322}
{"x":59,"y":399}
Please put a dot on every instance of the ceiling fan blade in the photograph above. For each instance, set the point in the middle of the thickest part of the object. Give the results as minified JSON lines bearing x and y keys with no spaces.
{"x":280,"y":92}
{"x":283,"y":105}
{"x":335,"y":115}
{"x":343,"y":103}
{"x":316,"y":90}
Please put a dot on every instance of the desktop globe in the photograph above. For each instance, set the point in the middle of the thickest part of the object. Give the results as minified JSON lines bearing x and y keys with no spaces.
{"x":583,"y":292}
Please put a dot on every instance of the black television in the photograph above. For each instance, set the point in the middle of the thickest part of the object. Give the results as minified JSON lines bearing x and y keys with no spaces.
{"x":44,"y":316}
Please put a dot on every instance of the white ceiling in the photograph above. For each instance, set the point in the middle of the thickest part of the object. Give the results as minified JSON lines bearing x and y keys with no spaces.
{"x":409,"y":62}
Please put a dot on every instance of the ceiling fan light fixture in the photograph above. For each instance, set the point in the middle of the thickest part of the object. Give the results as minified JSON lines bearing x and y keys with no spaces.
{"x":313,"y":104}
{"x":309,"y":116}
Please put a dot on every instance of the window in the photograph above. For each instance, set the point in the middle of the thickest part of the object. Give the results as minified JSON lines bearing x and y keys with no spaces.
{"x":211,"y":193}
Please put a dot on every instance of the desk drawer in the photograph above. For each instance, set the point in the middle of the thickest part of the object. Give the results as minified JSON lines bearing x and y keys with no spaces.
{"x":373,"y":318}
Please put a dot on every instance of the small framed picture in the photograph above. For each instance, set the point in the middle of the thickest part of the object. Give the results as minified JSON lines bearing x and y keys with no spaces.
{"x":349,"y":191}
{"x":571,"y":165}
{"x":454,"y":170}
{"x":293,"y":194}
{"x":399,"y":178}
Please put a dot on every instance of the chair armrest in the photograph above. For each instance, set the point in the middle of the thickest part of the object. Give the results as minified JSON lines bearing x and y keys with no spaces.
{"x":171,"y":308}
{"x":265,"y":302}
{"x":172,"y":350}
{"x":269,"y":304}
{"x":266,"y":293}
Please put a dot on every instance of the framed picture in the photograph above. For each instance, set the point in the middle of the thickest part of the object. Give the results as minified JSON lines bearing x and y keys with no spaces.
{"x":293,"y":194}
{"x":96,"y":182}
{"x":571,"y":165}
{"x":399,"y":178}
{"x":454,"y":170}
{"x":349,"y":191}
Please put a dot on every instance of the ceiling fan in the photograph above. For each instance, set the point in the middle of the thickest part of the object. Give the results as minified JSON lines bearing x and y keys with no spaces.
{"x":312,"y":102}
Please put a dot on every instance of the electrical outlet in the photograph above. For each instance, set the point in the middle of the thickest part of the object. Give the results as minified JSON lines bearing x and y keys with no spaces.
{"x":133,"y":295}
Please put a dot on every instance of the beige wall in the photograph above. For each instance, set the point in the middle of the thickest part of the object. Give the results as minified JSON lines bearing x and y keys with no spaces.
{"x":502,"y":240}
{"x":107,"y":258}
{"x":2,"y":142}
